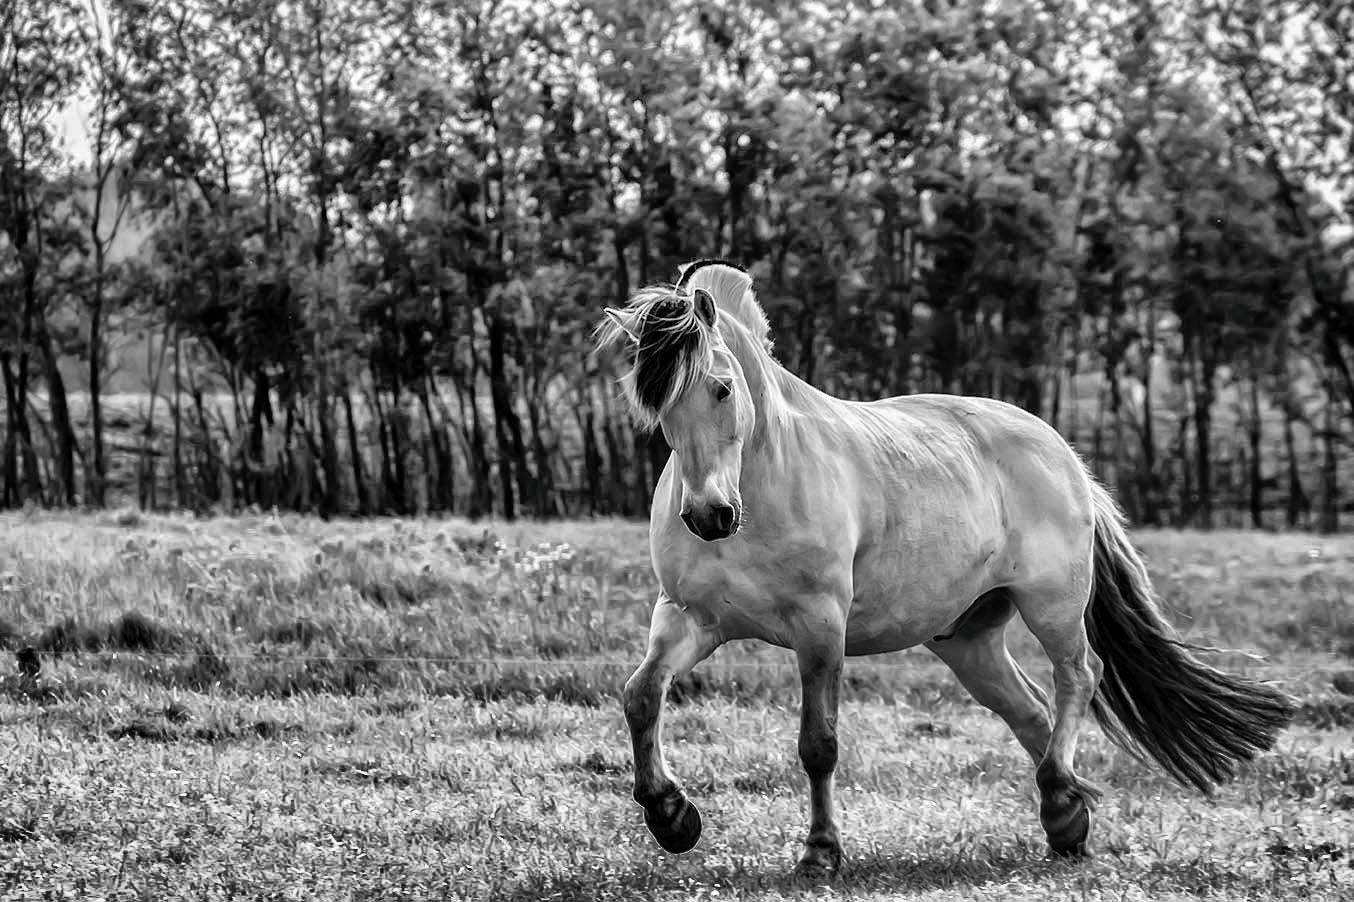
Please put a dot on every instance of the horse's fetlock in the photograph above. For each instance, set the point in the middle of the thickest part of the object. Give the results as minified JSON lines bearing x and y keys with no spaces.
{"x":827,"y":839}
{"x":666,"y":801}
{"x":1049,"y":778}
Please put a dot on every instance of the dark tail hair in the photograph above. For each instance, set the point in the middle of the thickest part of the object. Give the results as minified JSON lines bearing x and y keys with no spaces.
{"x":1155,"y":696}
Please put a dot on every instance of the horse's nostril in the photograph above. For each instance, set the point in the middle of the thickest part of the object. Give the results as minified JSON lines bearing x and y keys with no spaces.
{"x":690,"y":523}
{"x":724,"y":519}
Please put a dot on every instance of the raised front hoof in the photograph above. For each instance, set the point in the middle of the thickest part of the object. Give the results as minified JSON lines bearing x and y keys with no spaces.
{"x":677,"y":833}
{"x":820,"y":861}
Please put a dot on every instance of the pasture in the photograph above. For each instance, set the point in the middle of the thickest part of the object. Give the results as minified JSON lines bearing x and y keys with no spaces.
{"x":276,"y":707}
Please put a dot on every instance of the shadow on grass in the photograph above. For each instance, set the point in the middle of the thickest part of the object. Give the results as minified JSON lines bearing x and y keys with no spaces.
{"x":895,"y":876}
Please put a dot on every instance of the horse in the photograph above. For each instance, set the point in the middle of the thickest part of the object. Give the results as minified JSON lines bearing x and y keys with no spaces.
{"x":835,"y":528}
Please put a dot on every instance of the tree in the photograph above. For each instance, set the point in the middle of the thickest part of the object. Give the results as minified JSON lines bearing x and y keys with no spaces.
{"x":39,"y":47}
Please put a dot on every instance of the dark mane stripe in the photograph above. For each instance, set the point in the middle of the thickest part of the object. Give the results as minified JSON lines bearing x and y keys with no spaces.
{"x":701,"y":264}
{"x":669,"y":336}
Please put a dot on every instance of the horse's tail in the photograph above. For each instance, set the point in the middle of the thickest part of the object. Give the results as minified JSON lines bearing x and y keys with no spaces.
{"x":1155,"y":696}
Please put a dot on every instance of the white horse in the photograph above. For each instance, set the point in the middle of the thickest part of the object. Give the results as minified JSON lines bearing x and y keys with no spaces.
{"x":838,"y":528}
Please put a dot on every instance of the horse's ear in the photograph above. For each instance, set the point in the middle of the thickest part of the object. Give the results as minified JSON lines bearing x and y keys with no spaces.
{"x":705,"y":306}
{"x":622,"y":319}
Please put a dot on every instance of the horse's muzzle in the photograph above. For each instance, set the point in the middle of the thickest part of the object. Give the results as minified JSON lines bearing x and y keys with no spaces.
{"x":718,"y":521}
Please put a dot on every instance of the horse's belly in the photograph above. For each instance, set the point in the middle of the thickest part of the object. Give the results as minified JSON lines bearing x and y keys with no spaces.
{"x":884,"y":625}
{"x":904,"y":597}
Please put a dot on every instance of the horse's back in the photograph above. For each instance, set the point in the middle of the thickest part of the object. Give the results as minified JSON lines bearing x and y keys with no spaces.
{"x":993,"y":438}
{"x":1039,"y":479}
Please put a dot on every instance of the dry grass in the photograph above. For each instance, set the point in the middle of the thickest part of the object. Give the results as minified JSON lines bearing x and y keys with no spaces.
{"x":228,"y":709}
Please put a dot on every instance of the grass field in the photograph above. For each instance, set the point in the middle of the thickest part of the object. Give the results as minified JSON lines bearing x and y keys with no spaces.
{"x":279,"y":708}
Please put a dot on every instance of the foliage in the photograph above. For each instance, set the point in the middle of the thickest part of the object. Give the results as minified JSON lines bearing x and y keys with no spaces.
{"x":377,"y":238}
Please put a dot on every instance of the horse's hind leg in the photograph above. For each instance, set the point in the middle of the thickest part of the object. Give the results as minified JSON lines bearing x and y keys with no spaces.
{"x":1056,"y":616}
{"x":676,"y":644}
{"x":977,"y":654}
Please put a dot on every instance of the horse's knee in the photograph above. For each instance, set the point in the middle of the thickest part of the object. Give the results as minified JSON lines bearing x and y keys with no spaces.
{"x":818,"y":752}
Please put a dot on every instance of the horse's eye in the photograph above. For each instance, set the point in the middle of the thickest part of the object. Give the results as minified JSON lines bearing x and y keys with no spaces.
{"x":722,"y":391}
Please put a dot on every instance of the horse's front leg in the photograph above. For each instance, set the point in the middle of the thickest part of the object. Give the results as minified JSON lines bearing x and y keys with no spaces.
{"x":676,"y":644}
{"x":820,"y":672}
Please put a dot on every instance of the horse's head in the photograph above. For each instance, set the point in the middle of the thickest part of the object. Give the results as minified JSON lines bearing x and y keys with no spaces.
{"x":686,"y":380}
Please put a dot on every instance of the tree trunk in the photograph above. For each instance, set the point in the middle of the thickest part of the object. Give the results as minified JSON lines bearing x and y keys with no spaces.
{"x":1073,"y":421}
{"x":1147,"y":471}
{"x":145,"y":469}
{"x":1330,"y":490}
{"x":449,"y":433}
{"x":439,"y":468}
{"x":507,"y":425}
{"x":20,"y":483}
{"x":586,"y":415}
{"x":481,"y":476}
{"x":1187,"y":473}
{"x":61,"y":422}
{"x":1203,"y":423}
{"x":618,"y":465}
{"x":99,"y":471}
{"x":398,"y":437}
{"x":545,"y":483}
{"x":331,"y":501}
{"x":260,"y":412}
{"x":179,"y":495}
{"x":355,"y":452}
{"x":1116,"y":425}
{"x":11,"y":491}
{"x":1253,"y":440}
{"x":1098,"y":435}
{"x":1055,"y":390}
{"x":383,"y":440}
{"x":209,"y":476}
{"x":1299,"y":506}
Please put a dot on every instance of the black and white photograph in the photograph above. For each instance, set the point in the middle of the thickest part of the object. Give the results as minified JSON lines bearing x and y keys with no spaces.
{"x":615,"y":450}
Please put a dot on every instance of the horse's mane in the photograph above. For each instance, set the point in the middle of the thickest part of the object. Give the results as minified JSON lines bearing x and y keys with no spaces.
{"x":673,"y":347}
{"x":731,"y":288}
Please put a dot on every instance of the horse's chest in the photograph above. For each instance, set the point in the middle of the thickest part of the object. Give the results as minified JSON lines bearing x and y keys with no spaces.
{"x":753,"y":595}
{"x":721,"y":593}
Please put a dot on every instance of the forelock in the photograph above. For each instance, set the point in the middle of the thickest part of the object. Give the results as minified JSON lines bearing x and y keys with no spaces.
{"x":674,"y":351}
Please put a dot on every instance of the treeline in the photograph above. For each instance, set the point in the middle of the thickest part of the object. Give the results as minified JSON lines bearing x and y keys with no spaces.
{"x":368,"y":241}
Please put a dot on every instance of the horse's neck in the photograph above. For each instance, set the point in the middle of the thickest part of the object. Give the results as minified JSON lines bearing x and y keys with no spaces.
{"x":776,"y":392}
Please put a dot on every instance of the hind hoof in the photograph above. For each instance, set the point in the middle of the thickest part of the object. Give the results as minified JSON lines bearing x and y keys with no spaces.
{"x":1079,"y":852}
{"x":678,"y":833}
{"x":820,"y":861}
{"x":1068,"y":826}
{"x":1073,"y":849}
{"x":1065,"y":806}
